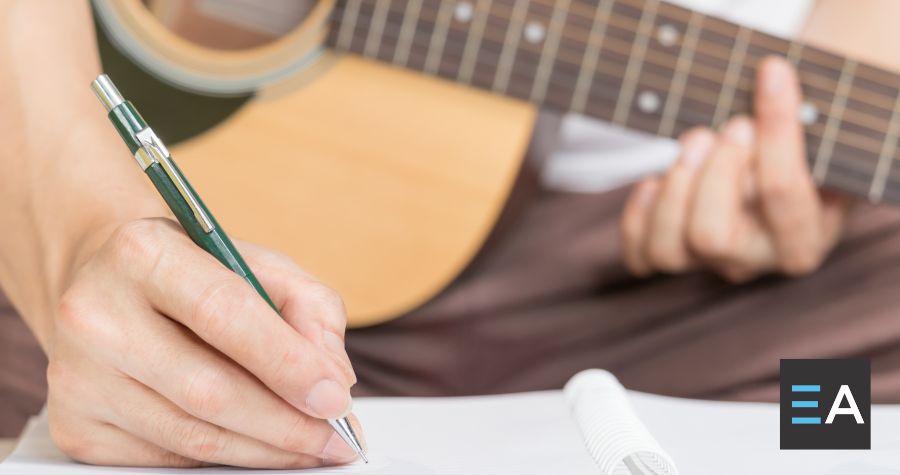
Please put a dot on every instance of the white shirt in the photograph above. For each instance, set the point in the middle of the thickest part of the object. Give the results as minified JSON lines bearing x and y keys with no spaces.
{"x":594,"y":156}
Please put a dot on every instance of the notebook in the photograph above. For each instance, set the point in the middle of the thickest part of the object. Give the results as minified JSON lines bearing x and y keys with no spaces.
{"x":590,"y":427}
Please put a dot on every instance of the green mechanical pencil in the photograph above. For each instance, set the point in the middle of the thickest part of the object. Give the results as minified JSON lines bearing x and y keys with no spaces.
{"x":154,"y":158}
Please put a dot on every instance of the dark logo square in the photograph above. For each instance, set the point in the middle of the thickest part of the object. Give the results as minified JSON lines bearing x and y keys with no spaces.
{"x":826,"y":404}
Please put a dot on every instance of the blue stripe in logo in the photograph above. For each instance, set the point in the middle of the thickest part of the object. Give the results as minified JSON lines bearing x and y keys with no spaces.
{"x":806,"y":420}
{"x":804,"y":403}
{"x":805,"y":388}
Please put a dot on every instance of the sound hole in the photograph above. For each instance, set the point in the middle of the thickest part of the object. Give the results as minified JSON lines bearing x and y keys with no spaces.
{"x":230,"y":24}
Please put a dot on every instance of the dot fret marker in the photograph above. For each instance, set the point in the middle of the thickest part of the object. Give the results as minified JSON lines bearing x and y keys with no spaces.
{"x":463,"y":12}
{"x":648,"y":102}
{"x":534,"y":32}
{"x":667,"y":35}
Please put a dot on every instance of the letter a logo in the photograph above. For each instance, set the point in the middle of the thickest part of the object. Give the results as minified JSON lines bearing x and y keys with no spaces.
{"x":853,"y":409}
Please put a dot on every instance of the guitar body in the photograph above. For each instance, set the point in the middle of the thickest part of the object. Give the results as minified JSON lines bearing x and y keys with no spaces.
{"x":384,"y":188}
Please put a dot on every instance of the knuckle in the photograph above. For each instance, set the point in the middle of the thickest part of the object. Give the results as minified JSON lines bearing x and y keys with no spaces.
{"x":135,"y":242}
{"x":200,"y":441}
{"x":710,"y":242}
{"x":323,"y":294}
{"x":77,"y":316}
{"x":71,"y":311}
{"x":777,"y":187}
{"x":205,"y":395}
{"x":216,"y":306}
{"x":284,"y":373}
{"x":297,"y":439}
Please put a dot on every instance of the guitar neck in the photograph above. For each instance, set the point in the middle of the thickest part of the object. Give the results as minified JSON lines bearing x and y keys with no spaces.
{"x":641,"y":64}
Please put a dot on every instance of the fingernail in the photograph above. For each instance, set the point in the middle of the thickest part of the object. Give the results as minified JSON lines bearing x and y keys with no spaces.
{"x":337,"y":451}
{"x":739,"y":131}
{"x":775,"y":76}
{"x":328,"y":400}
{"x":646,"y":194}
{"x":695,"y":150}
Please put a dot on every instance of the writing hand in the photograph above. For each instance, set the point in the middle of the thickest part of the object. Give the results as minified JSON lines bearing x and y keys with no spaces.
{"x":163,"y":357}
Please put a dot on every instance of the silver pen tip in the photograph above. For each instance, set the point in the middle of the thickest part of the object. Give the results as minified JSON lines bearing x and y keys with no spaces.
{"x":345,"y":430}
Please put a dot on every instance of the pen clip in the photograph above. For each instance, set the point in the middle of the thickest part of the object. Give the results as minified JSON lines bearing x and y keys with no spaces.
{"x":154,"y":151}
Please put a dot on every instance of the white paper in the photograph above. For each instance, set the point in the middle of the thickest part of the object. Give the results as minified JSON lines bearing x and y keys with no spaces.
{"x":534,"y":433}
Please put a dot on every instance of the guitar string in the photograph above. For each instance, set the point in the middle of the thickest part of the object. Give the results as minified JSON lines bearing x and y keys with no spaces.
{"x":861,"y":118}
{"x":723,"y":53}
{"x":712,"y":21}
{"x":822,"y":82}
{"x":859,"y":168}
{"x":651,"y":79}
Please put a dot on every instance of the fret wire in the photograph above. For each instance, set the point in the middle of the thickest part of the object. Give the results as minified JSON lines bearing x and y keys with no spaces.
{"x":348,"y":25}
{"x":679,"y":80}
{"x":825,"y":87}
{"x":473,"y":43}
{"x":407,"y":30}
{"x":551,"y":47}
{"x":732,"y":73}
{"x":860,"y":120}
{"x":591,"y":56}
{"x":795,"y":53}
{"x":373,"y":40}
{"x":639,"y":4}
{"x":820,"y":166}
{"x":510,"y":45}
{"x":813,"y":81}
{"x":642,"y":36}
{"x":438,"y":37}
{"x":886,"y":159}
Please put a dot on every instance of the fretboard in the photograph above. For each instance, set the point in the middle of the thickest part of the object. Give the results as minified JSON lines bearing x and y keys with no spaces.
{"x":641,"y":64}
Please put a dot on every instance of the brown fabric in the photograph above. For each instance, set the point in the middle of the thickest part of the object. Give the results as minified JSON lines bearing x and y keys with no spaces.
{"x":549,"y":297}
{"x":23,"y":386}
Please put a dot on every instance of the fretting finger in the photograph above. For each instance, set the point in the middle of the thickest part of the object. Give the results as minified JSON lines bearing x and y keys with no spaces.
{"x":666,"y":248}
{"x":720,"y":229}
{"x":789,"y":200}
{"x":634,"y":224}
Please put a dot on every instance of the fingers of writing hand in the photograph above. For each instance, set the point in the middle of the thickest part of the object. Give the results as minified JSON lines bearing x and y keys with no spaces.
{"x":151,"y":417}
{"x":208,"y":386}
{"x":309,"y":306}
{"x":192,"y":288}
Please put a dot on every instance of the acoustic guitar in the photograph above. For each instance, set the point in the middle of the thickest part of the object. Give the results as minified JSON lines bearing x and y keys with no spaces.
{"x":387,"y":134}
